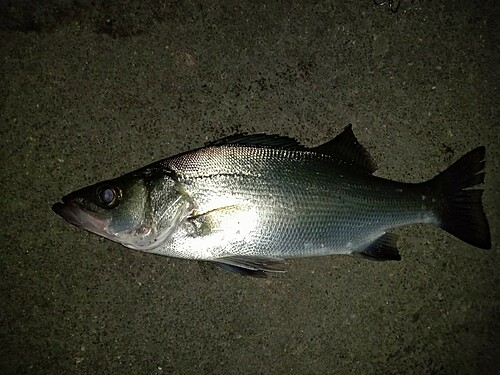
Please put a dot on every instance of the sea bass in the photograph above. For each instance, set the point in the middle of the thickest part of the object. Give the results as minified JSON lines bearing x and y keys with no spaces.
{"x":247,"y":202}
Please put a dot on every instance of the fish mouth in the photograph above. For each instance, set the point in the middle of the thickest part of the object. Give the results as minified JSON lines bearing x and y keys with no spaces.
{"x":74,"y":214}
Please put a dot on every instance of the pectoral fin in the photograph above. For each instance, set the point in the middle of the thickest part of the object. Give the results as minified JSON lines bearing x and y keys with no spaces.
{"x":233,"y":222}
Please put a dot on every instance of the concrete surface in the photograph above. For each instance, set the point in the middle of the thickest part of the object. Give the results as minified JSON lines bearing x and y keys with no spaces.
{"x":93,"y":89}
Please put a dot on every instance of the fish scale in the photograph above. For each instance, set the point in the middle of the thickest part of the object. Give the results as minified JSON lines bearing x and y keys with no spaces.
{"x":300,"y":198}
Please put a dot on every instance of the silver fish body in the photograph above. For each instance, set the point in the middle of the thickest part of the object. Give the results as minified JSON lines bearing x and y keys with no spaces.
{"x":248,"y":202}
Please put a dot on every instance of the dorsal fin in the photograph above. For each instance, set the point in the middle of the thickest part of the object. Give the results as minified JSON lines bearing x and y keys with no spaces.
{"x":259,"y":140}
{"x":346,"y":147}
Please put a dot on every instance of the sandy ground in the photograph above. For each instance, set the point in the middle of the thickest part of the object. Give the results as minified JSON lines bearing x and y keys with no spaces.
{"x":93,"y":89}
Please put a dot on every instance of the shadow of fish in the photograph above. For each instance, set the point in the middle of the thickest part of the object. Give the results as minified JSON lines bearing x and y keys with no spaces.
{"x":248,"y":202}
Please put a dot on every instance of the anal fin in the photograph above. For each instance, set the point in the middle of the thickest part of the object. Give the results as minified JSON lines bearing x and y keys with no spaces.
{"x":383,"y":248}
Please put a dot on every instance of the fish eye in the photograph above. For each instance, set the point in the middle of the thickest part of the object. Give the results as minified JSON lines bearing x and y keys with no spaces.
{"x":108,"y":196}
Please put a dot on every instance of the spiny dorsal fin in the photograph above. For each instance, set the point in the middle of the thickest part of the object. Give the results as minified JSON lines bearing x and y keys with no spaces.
{"x":259,"y":140}
{"x":346,"y":147}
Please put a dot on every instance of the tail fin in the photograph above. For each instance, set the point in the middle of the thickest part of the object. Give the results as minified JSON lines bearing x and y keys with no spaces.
{"x":461,"y":212}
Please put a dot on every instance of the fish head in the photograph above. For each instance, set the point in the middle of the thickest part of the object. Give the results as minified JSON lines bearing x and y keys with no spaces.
{"x":116,"y":209}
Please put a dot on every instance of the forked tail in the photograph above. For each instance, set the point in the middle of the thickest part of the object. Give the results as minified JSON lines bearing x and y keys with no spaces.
{"x":461,"y":211}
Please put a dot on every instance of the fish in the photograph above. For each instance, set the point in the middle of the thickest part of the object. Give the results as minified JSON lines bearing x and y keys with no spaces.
{"x":250,"y":202}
